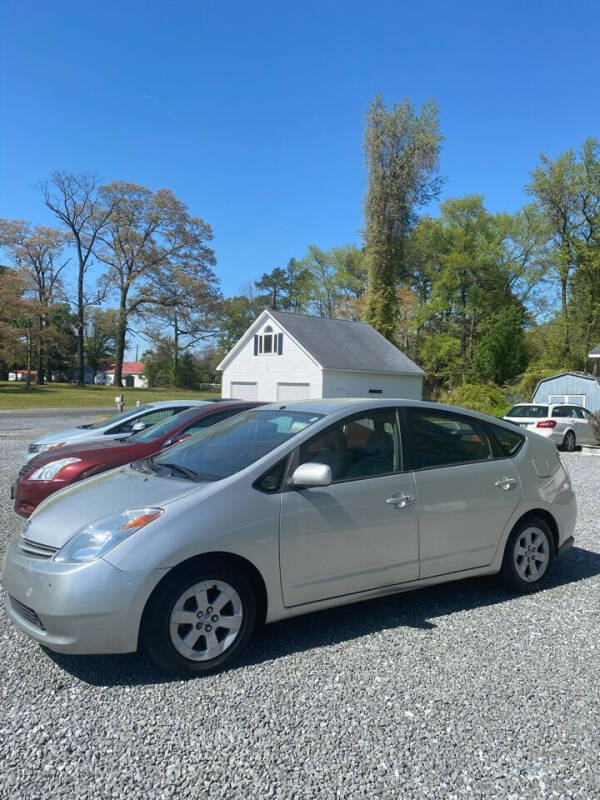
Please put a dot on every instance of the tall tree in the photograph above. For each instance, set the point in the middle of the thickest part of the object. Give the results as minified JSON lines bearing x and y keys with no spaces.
{"x":402,"y":148}
{"x":145,"y":233}
{"x":75,"y":202}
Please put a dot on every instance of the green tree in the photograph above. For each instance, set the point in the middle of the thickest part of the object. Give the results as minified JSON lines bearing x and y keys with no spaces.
{"x":100,"y":339}
{"x":402,"y":148}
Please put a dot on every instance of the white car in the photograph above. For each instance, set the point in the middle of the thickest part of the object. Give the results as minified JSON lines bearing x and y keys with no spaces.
{"x":566,"y":425}
{"x":119,"y":426}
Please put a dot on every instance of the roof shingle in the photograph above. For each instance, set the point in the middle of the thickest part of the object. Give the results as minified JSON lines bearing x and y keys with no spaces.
{"x":345,"y":344}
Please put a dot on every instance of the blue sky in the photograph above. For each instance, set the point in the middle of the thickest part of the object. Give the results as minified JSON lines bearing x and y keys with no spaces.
{"x":253,"y":112}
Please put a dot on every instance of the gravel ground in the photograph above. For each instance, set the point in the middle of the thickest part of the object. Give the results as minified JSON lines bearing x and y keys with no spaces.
{"x":452,"y":692}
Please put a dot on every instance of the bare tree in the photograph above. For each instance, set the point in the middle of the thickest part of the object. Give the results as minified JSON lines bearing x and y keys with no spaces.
{"x":74,"y":200}
{"x":146,"y":234}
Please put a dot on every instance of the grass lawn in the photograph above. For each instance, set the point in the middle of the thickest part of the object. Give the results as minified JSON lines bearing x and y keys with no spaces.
{"x":14,"y":395}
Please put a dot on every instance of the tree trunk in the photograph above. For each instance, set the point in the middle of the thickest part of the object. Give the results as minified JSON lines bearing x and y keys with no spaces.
{"x":120,"y":343}
{"x":80,"y":329}
{"x":29,"y":352}
{"x":39,"y":378}
{"x":176,"y":359}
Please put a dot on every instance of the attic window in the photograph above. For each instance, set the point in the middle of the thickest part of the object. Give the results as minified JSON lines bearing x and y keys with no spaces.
{"x":268,"y":342}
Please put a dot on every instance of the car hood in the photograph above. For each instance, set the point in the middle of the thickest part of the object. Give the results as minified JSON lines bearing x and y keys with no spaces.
{"x":95,"y":451}
{"x":66,"y":512}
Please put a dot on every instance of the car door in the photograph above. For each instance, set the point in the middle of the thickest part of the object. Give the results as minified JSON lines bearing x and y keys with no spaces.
{"x":465,"y":492}
{"x":360,"y":532}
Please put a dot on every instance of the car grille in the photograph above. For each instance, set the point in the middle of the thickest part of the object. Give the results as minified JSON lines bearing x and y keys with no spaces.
{"x":25,"y":469}
{"x":35,"y":549}
{"x":26,"y":612}
{"x":33,"y":448}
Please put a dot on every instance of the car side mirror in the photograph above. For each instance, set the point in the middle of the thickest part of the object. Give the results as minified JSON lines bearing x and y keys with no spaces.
{"x":312,"y":474}
{"x":139,"y":426}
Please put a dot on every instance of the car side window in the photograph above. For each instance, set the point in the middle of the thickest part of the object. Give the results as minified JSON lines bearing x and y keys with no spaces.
{"x":585,"y":413}
{"x":362,"y":446}
{"x":509,"y":441}
{"x":206,"y":422}
{"x":151,"y":418}
{"x":559,"y":411}
{"x":441,"y":439}
{"x":577,"y":412}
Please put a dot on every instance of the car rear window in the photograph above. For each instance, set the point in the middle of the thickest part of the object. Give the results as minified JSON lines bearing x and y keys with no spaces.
{"x":528,"y":411}
{"x":509,"y":441}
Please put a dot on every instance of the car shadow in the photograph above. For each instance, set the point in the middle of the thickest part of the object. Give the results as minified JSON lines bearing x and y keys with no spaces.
{"x":416,"y":609}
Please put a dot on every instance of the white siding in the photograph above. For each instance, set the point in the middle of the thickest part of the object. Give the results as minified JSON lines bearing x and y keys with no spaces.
{"x":267,"y":370}
{"x":337,"y":383}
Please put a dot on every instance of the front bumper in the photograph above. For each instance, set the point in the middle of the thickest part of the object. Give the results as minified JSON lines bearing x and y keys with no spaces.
{"x":88,"y":608}
{"x":29,"y":494}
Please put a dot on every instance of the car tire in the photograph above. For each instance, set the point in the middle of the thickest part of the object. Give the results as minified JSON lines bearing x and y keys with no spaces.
{"x":200,"y":618}
{"x":569,"y":442}
{"x":528,"y":556}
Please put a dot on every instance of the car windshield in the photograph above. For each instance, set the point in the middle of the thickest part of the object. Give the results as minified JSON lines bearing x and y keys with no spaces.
{"x":104,"y":423}
{"x":528,"y":411}
{"x":165,"y":427}
{"x":233,"y":444}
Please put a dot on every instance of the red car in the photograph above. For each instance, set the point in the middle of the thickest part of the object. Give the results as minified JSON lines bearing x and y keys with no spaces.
{"x":55,"y":469}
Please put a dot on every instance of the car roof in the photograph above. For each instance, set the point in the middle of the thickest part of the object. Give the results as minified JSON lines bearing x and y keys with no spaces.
{"x":174,"y":403}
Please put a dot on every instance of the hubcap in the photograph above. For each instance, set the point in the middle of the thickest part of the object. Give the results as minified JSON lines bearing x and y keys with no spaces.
{"x":531,"y":554}
{"x":570,"y":441}
{"x":205,"y":620}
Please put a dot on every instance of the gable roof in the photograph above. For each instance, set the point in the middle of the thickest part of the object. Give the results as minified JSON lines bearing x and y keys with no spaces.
{"x":129,"y":368}
{"x":583,"y":375}
{"x":595,"y":352}
{"x":339,"y":344}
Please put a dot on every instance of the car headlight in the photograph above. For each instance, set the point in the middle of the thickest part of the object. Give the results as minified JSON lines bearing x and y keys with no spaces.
{"x":51,"y":470}
{"x":98,"y":538}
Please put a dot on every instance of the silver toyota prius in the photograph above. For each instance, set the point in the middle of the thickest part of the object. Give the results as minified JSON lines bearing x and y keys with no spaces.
{"x":283,"y":510}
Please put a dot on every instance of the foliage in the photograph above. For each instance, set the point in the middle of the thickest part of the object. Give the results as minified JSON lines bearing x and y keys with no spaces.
{"x":486,"y":398}
{"x":402,"y":150}
{"x":526,"y":386}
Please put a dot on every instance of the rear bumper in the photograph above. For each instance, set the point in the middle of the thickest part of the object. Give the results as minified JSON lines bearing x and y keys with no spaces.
{"x":88,"y":608}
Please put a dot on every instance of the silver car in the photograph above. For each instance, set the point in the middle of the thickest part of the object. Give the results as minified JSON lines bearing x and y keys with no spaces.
{"x":279,"y":511}
{"x":117,"y":426}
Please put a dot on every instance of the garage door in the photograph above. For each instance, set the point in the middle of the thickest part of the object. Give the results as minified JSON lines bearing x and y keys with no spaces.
{"x":244,"y":391}
{"x":288,"y":392}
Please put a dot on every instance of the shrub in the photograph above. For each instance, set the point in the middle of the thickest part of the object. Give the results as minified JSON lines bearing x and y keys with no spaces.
{"x":484,"y":397}
{"x":524,"y":389}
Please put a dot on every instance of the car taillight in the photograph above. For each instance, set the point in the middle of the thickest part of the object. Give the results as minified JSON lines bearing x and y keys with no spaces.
{"x":546,"y":423}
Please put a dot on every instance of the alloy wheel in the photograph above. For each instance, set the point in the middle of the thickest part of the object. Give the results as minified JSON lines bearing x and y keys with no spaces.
{"x":205,"y":620}
{"x":531,"y":554}
{"x":570,"y":441}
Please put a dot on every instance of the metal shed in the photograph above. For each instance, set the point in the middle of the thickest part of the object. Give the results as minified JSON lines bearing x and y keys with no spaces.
{"x":578,"y":388}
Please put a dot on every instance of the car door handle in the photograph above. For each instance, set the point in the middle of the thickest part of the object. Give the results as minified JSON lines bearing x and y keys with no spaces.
{"x":505,"y":483}
{"x":400,"y":500}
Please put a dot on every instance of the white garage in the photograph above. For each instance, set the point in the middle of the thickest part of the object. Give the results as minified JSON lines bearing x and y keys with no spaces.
{"x":286,"y":357}
{"x":244,"y":390}
{"x":288,"y":392}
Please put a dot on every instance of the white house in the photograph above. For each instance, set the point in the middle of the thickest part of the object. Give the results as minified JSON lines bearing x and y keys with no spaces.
{"x":286,"y":357}
{"x":132,"y":375}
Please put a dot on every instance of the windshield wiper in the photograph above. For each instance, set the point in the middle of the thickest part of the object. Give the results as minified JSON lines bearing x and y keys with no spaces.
{"x":184,"y":471}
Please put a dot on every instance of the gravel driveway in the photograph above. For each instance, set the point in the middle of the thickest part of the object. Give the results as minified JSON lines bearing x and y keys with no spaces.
{"x":460,"y":691}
